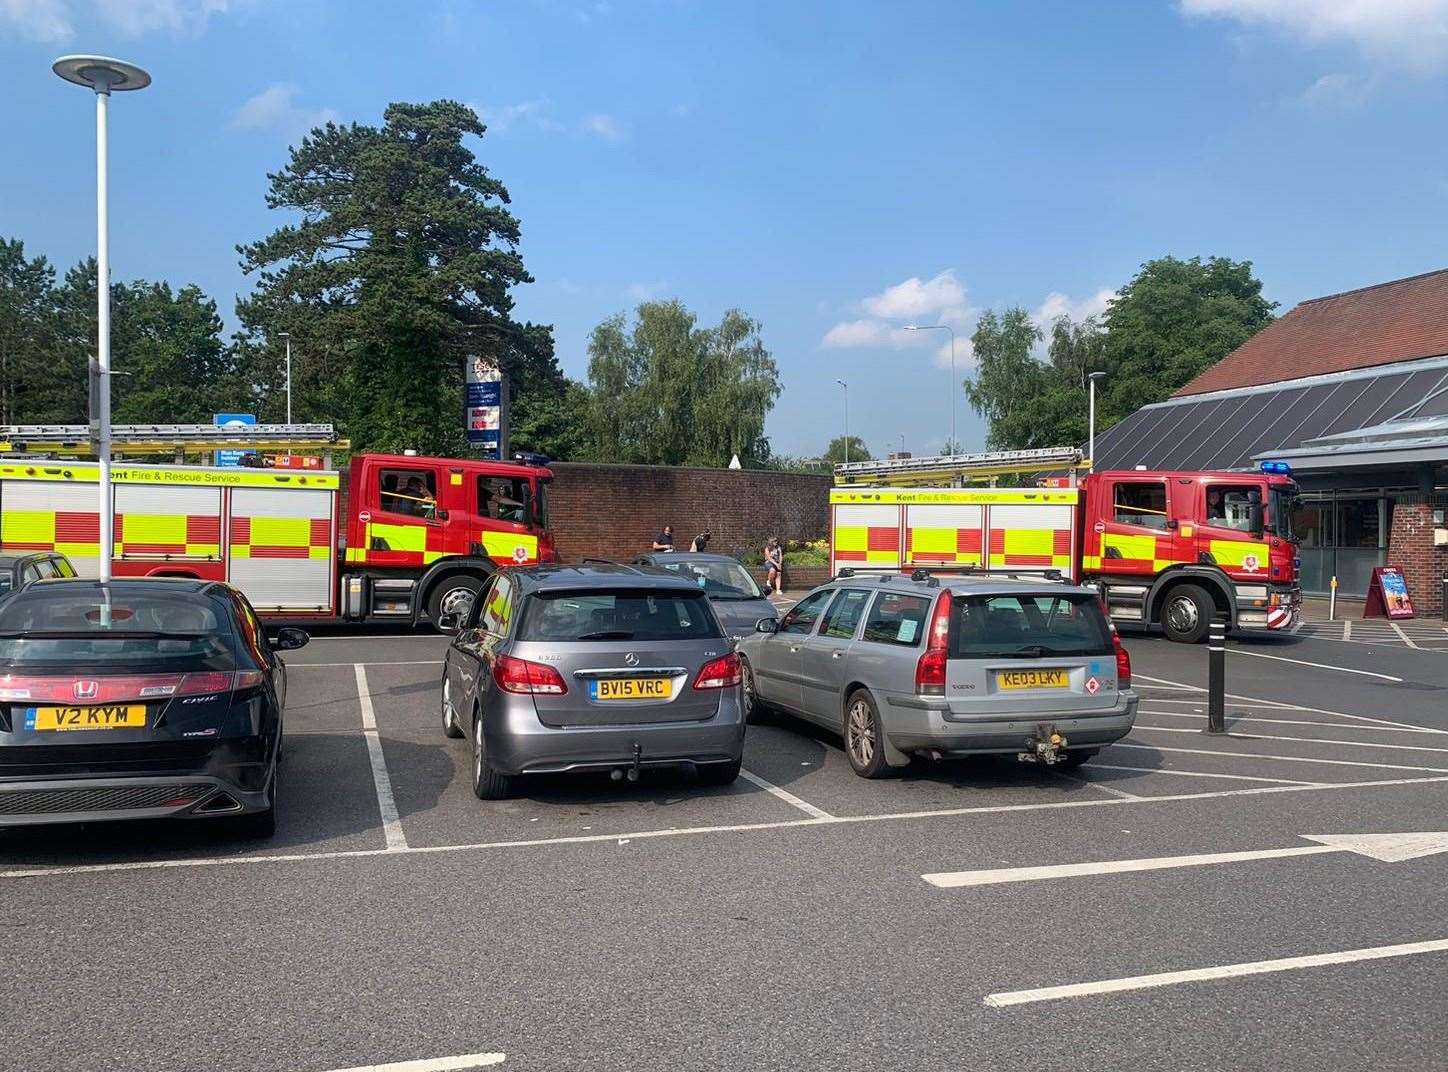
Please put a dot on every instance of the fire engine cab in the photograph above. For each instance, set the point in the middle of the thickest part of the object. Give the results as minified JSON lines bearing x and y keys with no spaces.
{"x":1172,"y":548}
{"x":391,"y":538}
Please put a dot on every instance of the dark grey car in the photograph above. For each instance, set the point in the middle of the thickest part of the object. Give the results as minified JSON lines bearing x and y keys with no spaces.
{"x":593,"y":667}
{"x":903,"y":666}
{"x":738,"y":601}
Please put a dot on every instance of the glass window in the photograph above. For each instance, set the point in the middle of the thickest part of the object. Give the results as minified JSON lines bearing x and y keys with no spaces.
{"x":1027,"y":625}
{"x":623,"y":615}
{"x":897,"y":619}
{"x":1358,"y":523}
{"x":407,"y":491}
{"x":497,"y":607}
{"x":64,"y":626}
{"x":505,"y":498}
{"x":1229,"y":506}
{"x":720,"y":579}
{"x":31,"y":572}
{"x":1141,"y":503}
{"x":804,"y":614}
{"x":845,"y":613}
{"x":62,"y":567}
{"x":1312,"y":522}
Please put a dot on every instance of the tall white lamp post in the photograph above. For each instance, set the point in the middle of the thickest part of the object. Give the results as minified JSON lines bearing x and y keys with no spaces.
{"x":288,"y":336}
{"x":1091,"y":378}
{"x":103,"y":76}
{"x":846,"y":387}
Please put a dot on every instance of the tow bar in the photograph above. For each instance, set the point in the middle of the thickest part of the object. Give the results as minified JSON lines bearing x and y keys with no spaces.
{"x":1045,"y":747}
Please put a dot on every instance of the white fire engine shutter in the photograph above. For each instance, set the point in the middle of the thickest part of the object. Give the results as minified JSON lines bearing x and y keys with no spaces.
{"x":42,"y":515}
{"x":163,"y":522}
{"x":281,"y":548}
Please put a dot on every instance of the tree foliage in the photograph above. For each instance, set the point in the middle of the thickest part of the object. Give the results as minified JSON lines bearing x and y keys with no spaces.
{"x":665,"y":391}
{"x":1174,"y":319}
{"x":398,"y":265}
{"x":835,"y":453}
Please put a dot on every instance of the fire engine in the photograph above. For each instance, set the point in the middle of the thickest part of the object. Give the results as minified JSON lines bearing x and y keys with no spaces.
{"x":394,"y":537}
{"x":1164,"y":547}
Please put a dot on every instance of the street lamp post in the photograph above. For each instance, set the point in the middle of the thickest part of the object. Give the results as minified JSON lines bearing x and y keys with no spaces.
{"x":102,"y":75}
{"x":288,"y":336}
{"x":1091,"y":378}
{"x":953,"y":384}
{"x":846,"y":386}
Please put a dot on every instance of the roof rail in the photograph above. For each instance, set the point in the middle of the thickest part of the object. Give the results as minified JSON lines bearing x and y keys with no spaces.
{"x":611,"y":562}
{"x":960,"y":467}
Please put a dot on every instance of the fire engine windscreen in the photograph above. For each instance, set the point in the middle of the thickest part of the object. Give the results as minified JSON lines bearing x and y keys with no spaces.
{"x":1028,"y":625}
{"x":1285,"y":503}
{"x":54,"y":630}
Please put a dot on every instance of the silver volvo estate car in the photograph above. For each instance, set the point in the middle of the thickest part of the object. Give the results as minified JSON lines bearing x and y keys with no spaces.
{"x":946,"y":666}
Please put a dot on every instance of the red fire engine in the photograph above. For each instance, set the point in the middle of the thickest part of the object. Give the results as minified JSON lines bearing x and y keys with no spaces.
{"x":1164,"y":547}
{"x":394,"y":538}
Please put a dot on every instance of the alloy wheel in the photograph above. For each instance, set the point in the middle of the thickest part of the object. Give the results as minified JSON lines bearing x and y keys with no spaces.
{"x":860,"y":734}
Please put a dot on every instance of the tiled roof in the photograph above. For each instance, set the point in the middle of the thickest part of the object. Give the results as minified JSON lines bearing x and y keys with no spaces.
{"x":1404,"y":320}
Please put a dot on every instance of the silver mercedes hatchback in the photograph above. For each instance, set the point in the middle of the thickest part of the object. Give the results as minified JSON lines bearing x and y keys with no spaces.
{"x":594,"y":667}
{"x":941,"y":666}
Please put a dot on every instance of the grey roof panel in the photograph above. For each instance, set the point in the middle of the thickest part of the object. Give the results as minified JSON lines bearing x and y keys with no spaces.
{"x":1122,"y":450}
{"x":1198,"y":423}
{"x":1377,"y":391}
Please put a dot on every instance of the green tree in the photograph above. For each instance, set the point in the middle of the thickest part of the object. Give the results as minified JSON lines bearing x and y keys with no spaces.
{"x":667,"y":392}
{"x":1009,"y":381}
{"x":835,"y":453}
{"x":168,"y":348}
{"x":1174,"y":319}
{"x":30,"y":391}
{"x":398,"y":266}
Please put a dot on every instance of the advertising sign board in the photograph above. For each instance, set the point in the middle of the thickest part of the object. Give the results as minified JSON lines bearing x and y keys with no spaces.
{"x":485,"y":408}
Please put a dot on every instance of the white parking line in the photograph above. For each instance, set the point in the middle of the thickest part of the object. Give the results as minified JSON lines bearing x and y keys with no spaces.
{"x":1303,"y":740}
{"x":399,"y":662}
{"x":1204,"y":774}
{"x":434,"y":1064}
{"x":1080,"y":779}
{"x":786,"y":796}
{"x":1231,"y":718}
{"x":1280,"y":759}
{"x":1347,"y":629}
{"x":386,"y":803}
{"x":1317,"y":666}
{"x":1399,"y":630}
{"x":1223,"y":971}
{"x":1299,"y":707}
{"x":695,"y":831}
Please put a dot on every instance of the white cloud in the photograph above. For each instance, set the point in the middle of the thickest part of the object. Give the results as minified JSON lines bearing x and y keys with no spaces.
{"x":53,"y":21}
{"x":602,"y":126}
{"x":1057,"y":305}
{"x":647,"y":291}
{"x":938,"y":301}
{"x":1338,"y":92}
{"x":37,"y":20}
{"x":501,"y":118}
{"x":275,"y":108}
{"x":1398,"y":34}
{"x":942,"y":297}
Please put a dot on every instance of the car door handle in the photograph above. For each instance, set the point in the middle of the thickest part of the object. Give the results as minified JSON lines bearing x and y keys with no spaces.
{"x":794,"y":647}
{"x":836,"y":654}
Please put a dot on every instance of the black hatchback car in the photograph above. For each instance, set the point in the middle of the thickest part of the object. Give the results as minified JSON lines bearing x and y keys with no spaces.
{"x":139,"y":698}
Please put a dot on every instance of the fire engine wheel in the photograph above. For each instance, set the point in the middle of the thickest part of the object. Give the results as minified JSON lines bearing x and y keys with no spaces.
{"x":452,"y":595}
{"x":1186,"y":614}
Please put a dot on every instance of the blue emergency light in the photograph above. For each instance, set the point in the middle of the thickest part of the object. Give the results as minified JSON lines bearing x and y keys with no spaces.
{"x":1277,"y":468}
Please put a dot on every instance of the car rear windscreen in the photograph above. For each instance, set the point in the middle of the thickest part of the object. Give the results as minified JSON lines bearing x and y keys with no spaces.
{"x":619,"y":615}
{"x":1028,"y":624}
{"x":67,"y":628}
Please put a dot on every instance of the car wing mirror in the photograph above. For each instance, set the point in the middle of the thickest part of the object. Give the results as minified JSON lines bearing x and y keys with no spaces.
{"x":767,"y":625}
{"x":290,"y":639}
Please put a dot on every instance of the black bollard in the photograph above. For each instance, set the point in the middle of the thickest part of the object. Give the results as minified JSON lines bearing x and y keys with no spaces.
{"x":1217,"y":676}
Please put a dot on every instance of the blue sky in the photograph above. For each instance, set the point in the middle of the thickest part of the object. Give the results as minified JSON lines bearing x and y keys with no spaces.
{"x":835,"y":170}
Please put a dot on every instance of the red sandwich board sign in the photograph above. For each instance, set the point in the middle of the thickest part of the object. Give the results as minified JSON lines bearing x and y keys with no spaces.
{"x":1388,"y":595}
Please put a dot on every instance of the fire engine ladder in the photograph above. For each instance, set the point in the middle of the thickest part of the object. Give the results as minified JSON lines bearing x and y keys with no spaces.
{"x":955,"y":470}
{"x":149,"y":440}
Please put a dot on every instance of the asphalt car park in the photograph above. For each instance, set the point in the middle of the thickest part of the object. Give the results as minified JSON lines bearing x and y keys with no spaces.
{"x":800,"y":918}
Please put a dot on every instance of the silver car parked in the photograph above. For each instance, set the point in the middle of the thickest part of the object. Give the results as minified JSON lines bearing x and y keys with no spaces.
{"x":737,"y":600}
{"x":593,"y":667}
{"x":903,"y":666}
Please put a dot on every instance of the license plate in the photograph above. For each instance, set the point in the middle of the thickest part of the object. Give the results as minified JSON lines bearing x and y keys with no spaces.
{"x":110,"y":717}
{"x":630,"y":688}
{"x":1033,"y":679}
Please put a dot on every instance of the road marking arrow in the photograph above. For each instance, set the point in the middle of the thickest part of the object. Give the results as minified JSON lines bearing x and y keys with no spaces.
{"x":1389,"y":848}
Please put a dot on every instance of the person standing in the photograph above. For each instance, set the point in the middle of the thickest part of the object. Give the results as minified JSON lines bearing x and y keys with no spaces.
{"x":664,"y":541}
{"x":774,"y":559}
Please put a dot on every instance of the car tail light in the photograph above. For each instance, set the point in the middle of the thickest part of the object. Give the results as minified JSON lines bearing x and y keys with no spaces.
{"x":524,"y":677}
{"x":86,"y":690}
{"x":930,"y":670}
{"x":721,"y":673}
{"x":1123,"y":661}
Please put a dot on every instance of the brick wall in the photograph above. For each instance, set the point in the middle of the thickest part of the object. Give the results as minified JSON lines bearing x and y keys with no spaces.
{"x":614,"y":511}
{"x":1410,"y":547}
